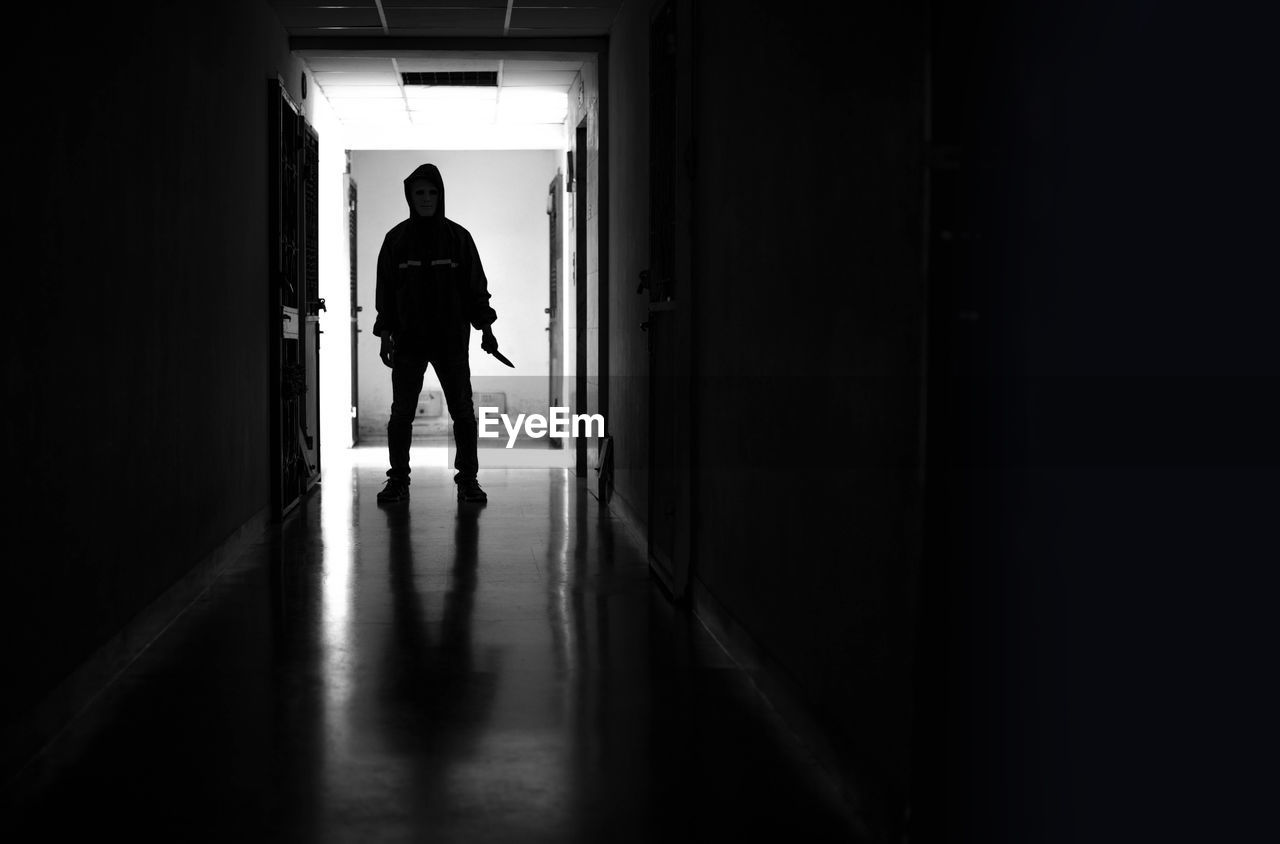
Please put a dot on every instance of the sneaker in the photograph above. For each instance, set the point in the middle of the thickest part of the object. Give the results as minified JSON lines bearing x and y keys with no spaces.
{"x":395,"y":490}
{"x":469,"y":490}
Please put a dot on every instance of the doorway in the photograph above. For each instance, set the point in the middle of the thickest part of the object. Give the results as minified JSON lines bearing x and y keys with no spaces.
{"x":500,"y":197}
{"x":521,"y":65}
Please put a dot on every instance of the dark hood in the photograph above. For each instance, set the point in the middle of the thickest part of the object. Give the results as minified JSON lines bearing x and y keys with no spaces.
{"x":432,"y":174}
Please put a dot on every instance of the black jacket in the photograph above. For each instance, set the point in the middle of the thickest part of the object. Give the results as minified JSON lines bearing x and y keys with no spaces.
{"x":431,"y":286}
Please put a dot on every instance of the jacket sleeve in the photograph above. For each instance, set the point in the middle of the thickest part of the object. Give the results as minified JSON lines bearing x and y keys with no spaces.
{"x":479,"y":314}
{"x":387,"y":321}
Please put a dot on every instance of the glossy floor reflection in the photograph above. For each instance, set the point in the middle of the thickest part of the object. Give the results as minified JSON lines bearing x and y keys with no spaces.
{"x":431,"y":672}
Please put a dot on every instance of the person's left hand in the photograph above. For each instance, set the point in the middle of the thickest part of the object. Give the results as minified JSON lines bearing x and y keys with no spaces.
{"x":488,"y":342}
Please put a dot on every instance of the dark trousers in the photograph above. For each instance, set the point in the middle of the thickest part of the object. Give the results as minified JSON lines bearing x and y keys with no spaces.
{"x":454,"y":372}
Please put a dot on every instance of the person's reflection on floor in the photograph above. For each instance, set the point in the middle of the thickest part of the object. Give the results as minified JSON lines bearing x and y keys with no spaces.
{"x":435,"y":701}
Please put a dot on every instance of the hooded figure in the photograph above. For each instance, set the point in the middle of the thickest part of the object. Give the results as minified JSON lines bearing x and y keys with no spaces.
{"x":431,"y":292}
{"x":431,"y":287}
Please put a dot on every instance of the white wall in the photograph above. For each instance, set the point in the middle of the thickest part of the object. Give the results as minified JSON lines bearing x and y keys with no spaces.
{"x":335,"y":354}
{"x":501,"y":198}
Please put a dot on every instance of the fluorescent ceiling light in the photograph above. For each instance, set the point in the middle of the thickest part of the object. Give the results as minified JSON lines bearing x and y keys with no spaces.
{"x":453,"y":93}
{"x":442,"y":107}
{"x":454,"y":114}
{"x":536,"y":97}
{"x":372,"y":104}
{"x":364,"y":121}
{"x":532,"y":106}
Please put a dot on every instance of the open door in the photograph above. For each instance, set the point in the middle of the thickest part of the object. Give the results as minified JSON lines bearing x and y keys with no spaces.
{"x":668,"y":283}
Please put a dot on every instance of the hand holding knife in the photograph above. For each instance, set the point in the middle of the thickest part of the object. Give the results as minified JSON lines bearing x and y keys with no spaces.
{"x":489,"y":343}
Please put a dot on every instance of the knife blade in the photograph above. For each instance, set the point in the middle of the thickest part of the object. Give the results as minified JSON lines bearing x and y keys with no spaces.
{"x":500,"y":356}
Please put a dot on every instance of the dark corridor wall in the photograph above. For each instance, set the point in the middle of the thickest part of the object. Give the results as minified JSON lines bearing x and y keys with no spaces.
{"x":136,"y":370}
{"x":1098,"y":438}
{"x":1104,"y":578}
{"x":808,"y":305}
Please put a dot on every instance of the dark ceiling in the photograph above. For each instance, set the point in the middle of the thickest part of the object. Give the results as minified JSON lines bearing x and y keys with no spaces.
{"x":447,"y":18}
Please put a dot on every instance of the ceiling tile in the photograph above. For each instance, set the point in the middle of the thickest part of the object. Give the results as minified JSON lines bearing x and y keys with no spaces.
{"x":478,"y":20}
{"x":347,"y":64}
{"x":330,"y":78}
{"x":418,"y":94}
{"x":398,"y":121}
{"x":567,"y":4}
{"x":486,"y":31}
{"x":323,"y":32}
{"x":313,"y":4}
{"x":455,"y":113}
{"x":334,"y":91}
{"x":542,"y":64}
{"x":561,"y":79}
{"x":433,"y":65}
{"x":595,"y":21}
{"x":323,"y":18}
{"x":446,"y":4}
{"x":368,"y":105}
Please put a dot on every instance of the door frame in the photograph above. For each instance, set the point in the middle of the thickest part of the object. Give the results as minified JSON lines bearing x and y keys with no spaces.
{"x":676,"y":314}
{"x":351,"y":197}
{"x":555,"y":306}
{"x":587,"y":49}
{"x":581,"y":180}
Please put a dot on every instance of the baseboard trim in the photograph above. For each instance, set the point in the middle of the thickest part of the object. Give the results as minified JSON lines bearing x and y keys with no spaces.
{"x":843,"y":783}
{"x":625,"y":514}
{"x":23,"y":741}
{"x":847,"y":787}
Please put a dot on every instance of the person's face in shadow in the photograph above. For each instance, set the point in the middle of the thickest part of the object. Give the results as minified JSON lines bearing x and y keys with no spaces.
{"x":425,"y":197}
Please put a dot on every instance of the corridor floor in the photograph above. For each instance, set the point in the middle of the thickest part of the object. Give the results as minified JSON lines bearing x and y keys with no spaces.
{"x":431,"y":672}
